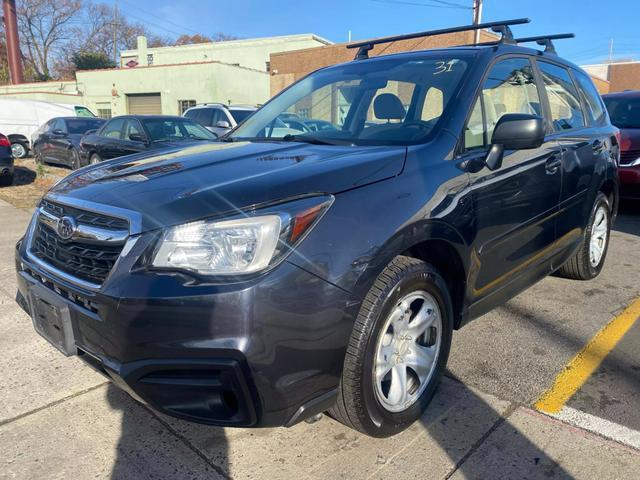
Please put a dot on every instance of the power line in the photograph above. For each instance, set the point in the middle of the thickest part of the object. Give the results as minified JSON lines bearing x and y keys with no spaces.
{"x":169,"y":22}
{"x":416,"y":4}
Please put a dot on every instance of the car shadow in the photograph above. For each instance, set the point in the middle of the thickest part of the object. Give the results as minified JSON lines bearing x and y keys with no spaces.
{"x":23,"y":176}
{"x":628,"y":220}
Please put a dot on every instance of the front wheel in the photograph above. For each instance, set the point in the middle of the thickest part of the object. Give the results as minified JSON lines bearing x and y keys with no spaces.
{"x":75,"y":159}
{"x":588,"y":261}
{"x":95,"y":159}
{"x":398,"y":349}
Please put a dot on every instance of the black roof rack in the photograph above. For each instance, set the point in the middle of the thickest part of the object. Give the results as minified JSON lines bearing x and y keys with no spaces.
{"x":501,"y":27}
{"x":546,"y":40}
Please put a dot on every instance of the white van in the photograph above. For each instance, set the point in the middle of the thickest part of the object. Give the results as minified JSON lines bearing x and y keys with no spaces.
{"x":20,"y":119}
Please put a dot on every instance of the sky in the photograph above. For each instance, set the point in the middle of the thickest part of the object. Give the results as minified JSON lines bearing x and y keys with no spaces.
{"x":595,"y":23}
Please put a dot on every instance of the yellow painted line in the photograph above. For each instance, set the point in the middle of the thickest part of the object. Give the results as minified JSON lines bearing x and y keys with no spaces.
{"x":580,"y":368}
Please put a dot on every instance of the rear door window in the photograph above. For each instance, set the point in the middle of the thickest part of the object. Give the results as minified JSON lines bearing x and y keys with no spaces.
{"x":591,"y":96}
{"x":564,"y":102}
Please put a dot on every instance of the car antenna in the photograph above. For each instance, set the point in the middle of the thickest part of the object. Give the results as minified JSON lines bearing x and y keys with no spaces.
{"x":501,"y":27}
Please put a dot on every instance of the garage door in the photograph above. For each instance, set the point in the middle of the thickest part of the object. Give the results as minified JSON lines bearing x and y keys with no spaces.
{"x":144,"y":104}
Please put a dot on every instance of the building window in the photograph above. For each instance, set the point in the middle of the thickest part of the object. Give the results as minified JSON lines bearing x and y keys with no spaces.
{"x":184,"y":105}
{"x":268,"y":66}
{"x":104,"y":110}
{"x":150,"y":59}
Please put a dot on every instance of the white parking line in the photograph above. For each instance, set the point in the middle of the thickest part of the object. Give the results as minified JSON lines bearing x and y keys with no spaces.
{"x":610,"y":430}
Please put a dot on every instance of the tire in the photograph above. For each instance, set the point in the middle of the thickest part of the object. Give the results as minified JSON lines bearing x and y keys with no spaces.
{"x":19,"y":150}
{"x":37,"y":156}
{"x":75,"y":159}
{"x":582,"y":266}
{"x":94,"y":159}
{"x":362,"y":402}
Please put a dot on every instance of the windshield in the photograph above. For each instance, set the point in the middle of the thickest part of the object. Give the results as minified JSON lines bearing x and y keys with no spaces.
{"x":83,"y":112}
{"x":391,"y":101}
{"x":240,"y":115}
{"x":624,"y":112}
{"x":175,"y":129}
{"x":82,"y":126}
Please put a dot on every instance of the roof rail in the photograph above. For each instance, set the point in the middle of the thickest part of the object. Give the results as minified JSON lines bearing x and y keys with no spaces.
{"x":501,"y":27}
{"x":545,"y":40}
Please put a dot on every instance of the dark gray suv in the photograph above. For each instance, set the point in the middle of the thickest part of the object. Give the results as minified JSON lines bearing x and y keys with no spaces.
{"x":271,"y":276}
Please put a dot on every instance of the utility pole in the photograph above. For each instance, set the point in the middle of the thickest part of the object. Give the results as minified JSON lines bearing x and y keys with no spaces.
{"x":115,"y":33}
{"x":13,"y":41}
{"x":477,"y":18}
{"x":610,"y":50}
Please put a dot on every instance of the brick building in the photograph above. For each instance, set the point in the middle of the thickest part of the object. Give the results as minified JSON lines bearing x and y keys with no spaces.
{"x":620,"y":75}
{"x":288,"y":67}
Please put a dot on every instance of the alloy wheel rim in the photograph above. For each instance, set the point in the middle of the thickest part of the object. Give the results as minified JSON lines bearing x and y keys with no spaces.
{"x":407,"y":351}
{"x":599,"y":237}
{"x":18,"y":150}
{"x":94,"y":160}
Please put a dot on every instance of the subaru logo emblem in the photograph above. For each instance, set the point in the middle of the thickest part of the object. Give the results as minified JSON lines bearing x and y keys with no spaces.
{"x":66,"y":227}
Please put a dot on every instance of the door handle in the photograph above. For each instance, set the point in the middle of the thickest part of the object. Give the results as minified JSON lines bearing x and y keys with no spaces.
{"x":552,"y":165}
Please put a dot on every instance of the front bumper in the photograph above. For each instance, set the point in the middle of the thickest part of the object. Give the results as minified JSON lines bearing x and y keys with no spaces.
{"x":629,"y":181}
{"x":264,"y":352}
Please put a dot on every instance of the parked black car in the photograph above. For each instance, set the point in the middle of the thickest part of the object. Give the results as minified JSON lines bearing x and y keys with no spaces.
{"x":59,"y":140}
{"x":129,"y":134}
{"x":6,"y":161}
{"x":264,"y":279}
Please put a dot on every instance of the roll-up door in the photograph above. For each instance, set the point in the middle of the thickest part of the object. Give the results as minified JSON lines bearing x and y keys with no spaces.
{"x":144,"y":104}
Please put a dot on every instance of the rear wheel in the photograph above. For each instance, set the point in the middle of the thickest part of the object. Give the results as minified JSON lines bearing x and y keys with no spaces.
{"x":398,"y":350}
{"x":75,"y":159}
{"x":588,"y":261}
{"x":6,"y":180}
{"x":19,"y":150}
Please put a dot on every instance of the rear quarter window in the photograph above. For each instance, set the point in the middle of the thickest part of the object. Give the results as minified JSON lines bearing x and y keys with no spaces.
{"x":592,"y":98}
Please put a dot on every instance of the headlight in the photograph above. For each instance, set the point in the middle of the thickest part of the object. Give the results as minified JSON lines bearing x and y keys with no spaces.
{"x":248,"y":244}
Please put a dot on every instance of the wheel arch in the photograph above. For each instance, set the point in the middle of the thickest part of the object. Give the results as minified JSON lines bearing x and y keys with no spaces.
{"x":432,"y":241}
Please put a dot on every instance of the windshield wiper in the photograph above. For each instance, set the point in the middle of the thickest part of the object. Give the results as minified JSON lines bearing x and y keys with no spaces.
{"x":306,"y":139}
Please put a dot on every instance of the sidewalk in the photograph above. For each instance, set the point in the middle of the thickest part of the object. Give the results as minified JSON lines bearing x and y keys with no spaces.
{"x":59,"y":419}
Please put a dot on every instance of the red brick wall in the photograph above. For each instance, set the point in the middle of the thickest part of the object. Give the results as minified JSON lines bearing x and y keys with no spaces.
{"x":624,"y":76}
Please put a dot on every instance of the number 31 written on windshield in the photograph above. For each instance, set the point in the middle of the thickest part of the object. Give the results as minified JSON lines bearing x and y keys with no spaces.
{"x":442,"y":67}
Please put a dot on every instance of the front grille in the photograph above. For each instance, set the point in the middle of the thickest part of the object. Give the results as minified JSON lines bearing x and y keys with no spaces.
{"x":629,"y":156}
{"x":84,"y":217}
{"x":90,"y":261}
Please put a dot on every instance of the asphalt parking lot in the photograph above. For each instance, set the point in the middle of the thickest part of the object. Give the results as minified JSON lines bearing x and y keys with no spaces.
{"x":59,"y":419}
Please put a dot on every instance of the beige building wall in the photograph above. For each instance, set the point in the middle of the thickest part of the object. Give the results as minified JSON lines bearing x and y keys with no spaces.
{"x":251,"y":53}
{"x":105,"y":91}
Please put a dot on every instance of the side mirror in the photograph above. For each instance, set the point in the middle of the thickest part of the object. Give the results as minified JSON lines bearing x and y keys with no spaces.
{"x":514,"y":131}
{"x":137,"y":137}
{"x":58,"y":132}
{"x":223,"y":124}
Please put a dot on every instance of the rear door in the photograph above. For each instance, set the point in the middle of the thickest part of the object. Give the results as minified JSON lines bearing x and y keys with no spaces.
{"x":585,"y":142}
{"x":515,"y":205}
{"x":58,"y":141}
{"x":109,"y":144}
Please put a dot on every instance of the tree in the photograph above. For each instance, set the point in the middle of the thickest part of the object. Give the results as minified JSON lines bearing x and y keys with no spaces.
{"x":223,"y":37}
{"x":44,"y":27}
{"x":92,"y":61}
{"x":192,"y":39}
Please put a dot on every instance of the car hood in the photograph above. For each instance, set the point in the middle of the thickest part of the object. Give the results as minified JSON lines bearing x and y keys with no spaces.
{"x":210,"y":179}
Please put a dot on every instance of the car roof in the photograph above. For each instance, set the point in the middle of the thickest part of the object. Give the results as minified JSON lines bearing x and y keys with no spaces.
{"x":625,"y":94}
{"x":492,"y":50}
{"x":78,"y":118}
{"x":151,"y":117}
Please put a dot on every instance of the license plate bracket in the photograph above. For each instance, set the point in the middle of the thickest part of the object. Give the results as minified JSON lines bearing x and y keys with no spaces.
{"x":52,"y":319}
